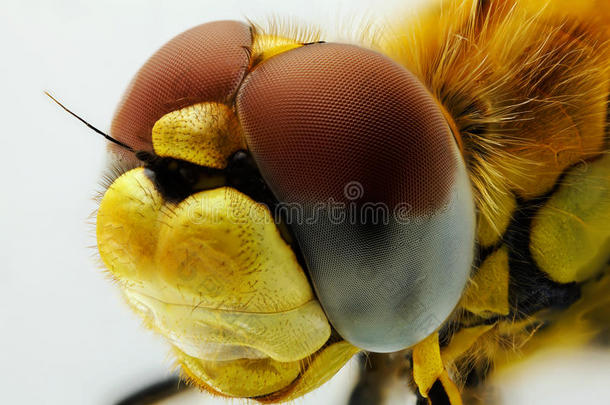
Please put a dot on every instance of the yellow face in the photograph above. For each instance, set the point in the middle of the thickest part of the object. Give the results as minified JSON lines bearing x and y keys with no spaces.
{"x":212,"y":272}
{"x":214,"y":276}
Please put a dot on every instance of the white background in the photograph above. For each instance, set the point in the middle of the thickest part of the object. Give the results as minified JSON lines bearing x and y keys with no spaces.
{"x":65,"y":335}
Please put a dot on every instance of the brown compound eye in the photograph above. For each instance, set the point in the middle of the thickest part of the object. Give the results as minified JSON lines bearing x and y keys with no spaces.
{"x":355,"y":143}
{"x":205,"y":63}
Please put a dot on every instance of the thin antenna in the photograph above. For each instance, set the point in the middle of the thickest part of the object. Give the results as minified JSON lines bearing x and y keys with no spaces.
{"x":111,"y":139}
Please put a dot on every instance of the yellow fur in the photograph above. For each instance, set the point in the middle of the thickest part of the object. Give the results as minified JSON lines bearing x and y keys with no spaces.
{"x":526,"y":87}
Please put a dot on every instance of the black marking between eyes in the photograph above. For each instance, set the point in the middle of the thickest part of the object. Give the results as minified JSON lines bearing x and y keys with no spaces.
{"x":177,"y":179}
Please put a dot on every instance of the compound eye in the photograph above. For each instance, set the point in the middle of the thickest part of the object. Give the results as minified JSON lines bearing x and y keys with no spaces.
{"x":205,"y":63}
{"x":353,"y":144}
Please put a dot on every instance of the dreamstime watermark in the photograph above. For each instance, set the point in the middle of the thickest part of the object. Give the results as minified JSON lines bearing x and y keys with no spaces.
{"x":350,"y":210}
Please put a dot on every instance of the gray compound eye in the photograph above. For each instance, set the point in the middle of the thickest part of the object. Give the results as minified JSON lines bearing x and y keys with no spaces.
{"x":374,"y":186}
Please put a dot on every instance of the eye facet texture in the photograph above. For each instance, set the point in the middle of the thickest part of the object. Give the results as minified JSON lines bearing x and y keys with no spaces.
{"x":205,"y":63}
{"x":386,"y":225}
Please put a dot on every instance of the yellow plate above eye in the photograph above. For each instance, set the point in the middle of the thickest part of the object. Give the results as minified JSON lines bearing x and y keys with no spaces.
{"x":206,"y":134}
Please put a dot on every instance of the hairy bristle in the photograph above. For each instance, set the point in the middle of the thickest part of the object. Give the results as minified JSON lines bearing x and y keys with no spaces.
{"x":526,"y":88}
{"x":289,"y":28}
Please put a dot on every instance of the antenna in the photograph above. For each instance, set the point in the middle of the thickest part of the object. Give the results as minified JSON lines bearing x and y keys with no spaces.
{"x":108,"y":137}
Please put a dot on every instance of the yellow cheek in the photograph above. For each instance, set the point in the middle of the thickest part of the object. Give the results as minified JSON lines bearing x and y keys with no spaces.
{"x":212,"y":274}
{"x":128,"y":226}
{"x":570,"y":237}
{"x":223,"y":250}
{"x":216,"y":249}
